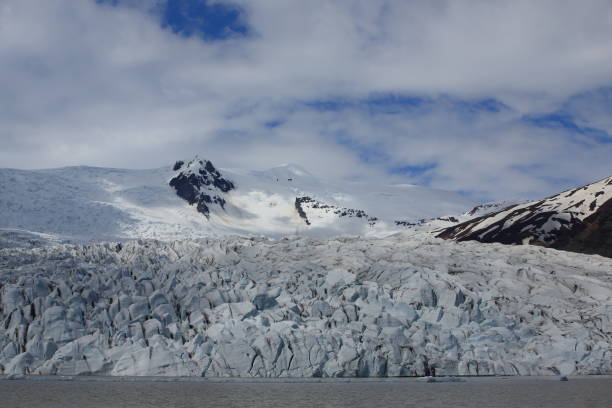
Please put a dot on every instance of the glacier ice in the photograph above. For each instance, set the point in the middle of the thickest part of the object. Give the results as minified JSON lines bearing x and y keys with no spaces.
{"x":295,"y":307}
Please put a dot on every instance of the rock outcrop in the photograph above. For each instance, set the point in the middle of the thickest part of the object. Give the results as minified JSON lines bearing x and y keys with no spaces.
{"x":306,"y":205}
{"x":199,"y":182}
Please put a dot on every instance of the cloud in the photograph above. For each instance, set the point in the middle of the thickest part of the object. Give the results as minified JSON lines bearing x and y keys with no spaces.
{"x":489,"y":154}
{"x":346,"y":89}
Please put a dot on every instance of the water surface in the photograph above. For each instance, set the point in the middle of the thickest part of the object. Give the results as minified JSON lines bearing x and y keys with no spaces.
{"x":591,"y":392}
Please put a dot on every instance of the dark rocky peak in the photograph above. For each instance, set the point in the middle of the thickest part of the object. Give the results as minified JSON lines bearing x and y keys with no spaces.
{"x":199,"y":182}
{"x":178,"y":165}
{"x":202,"y":172}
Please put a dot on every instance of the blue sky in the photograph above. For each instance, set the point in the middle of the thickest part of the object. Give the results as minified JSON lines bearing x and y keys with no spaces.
{"x":206,"y":19}
{"x":495,"y":100}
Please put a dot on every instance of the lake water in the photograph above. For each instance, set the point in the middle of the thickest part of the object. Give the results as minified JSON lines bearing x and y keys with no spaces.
{"x":588,"y":392}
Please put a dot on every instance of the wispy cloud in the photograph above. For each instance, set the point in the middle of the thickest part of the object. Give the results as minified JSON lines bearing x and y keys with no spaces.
{"x":495,"y":99}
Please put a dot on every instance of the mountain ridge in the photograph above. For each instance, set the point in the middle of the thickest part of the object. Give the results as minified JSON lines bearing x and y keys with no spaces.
{"x":556,"y":221}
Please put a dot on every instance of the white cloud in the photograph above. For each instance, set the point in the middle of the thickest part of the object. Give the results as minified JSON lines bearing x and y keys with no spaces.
{"x":89,"y":84}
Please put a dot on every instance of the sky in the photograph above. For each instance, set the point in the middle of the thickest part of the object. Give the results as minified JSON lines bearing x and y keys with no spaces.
{"x":492,"y":99}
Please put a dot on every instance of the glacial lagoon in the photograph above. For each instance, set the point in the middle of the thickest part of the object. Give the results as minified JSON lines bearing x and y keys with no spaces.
{"x":138,"y":392}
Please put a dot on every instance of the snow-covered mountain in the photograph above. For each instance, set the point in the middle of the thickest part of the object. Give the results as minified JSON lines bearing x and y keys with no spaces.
{"x":434,"y":226}
{"x":196,"y":199}
{"x":579,"y":219}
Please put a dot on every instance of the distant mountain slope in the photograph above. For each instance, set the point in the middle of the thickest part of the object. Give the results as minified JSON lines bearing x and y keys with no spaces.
{"x":438,"y":224}
{"x":577,"y":219}
{"x":196,"y":199}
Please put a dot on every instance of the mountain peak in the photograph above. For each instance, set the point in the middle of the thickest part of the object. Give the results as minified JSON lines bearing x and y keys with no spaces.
{"x":193,"y":165}
{"x":199,"y":182}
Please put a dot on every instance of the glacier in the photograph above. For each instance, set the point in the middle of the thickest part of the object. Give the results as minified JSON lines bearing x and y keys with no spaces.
{"x":402,"y":305}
